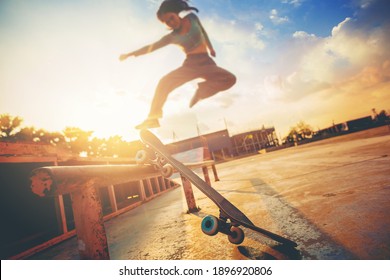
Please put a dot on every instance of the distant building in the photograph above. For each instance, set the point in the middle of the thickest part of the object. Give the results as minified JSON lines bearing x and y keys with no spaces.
{"x":217,"y":145}
{"x":221,"y":146}
{"x":254,"y":141}
{"x":348,"y":126}
{"x":360,"y":124}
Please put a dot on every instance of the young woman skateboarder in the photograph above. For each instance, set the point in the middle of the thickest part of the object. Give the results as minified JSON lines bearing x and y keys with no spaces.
{"x":189,"y":34}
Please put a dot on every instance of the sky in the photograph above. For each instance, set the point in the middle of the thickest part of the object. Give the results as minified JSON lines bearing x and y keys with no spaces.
{"x":321,"y":62}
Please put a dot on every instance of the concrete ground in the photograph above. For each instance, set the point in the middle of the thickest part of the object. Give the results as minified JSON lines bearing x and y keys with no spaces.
{"x":332,"y":197}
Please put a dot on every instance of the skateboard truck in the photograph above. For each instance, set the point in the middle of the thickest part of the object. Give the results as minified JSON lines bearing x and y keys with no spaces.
{"x":211,"y":225}
{"x":153,"y":158}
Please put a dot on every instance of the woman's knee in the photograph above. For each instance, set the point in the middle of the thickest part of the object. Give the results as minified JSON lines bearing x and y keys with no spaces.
{"x":232,"y":79}
{"x":171,"y":81}
{"x":229,"y":81}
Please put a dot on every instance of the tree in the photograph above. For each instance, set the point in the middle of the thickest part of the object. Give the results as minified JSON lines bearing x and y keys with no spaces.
{"x":52,"y":138}
{"x":292,"y":134}
{"x":114,"y":146}
{"x":77,"y":140}
{"x":300,"y":131}
{"x":9,"y":126}
{"x":97,"y":147}
{"x":26,"y":134}
{"x":31,"y":134}
{"x":383,"y":117}
{"x":73,"y":139}
{"x":304,"y":130}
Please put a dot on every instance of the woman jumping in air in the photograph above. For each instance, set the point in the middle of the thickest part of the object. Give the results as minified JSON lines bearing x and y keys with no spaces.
{"x":189,"y":34}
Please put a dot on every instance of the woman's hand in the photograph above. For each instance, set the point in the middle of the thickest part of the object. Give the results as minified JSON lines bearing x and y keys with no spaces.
{"x":125,"y":56}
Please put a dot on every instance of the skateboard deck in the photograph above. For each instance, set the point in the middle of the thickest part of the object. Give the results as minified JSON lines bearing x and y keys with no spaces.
{"x":228,"y":211}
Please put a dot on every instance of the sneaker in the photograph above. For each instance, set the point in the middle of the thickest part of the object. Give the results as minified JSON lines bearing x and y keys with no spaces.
{"x":195,"y":99}
{"x":148,"y":123}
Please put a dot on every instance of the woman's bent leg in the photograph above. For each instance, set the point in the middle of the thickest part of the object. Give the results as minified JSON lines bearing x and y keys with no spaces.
{"x":167,"y":84}
{"x":216,"y":79}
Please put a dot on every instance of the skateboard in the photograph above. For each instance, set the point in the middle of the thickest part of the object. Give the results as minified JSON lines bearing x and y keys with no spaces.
{"x":230,"y":218}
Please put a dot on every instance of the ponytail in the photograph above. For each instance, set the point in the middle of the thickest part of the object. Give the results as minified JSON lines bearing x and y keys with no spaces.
{"x":174,"y":6}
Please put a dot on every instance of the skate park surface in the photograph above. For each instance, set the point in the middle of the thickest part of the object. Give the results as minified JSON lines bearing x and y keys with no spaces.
{"x":332,"y":197}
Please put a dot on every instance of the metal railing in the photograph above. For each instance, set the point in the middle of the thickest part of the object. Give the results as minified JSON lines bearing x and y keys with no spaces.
{"x":81,"y":182}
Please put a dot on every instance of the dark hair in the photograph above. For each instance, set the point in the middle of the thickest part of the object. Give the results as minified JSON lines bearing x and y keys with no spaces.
{"x":174,"y":6}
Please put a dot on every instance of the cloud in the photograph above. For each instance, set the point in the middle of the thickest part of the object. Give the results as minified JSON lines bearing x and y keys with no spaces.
{"x":303,"y":35}
{"x":259,"y":26}
{"x":276,"y":19}
{"x":292,"y":88}
{"x":234,"y":34}
{"x":295,"y":3}
{"x":369,"y":77}
{"x":365,"y":3}
{"x":355,"y":57}
{"x":153,"y":3}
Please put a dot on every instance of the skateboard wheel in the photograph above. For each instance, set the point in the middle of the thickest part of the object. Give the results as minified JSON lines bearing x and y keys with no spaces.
{"x":210,"y":225}
{"x":141,"y":157}
{"x":236,"y":235}
{"x":167,"y":171}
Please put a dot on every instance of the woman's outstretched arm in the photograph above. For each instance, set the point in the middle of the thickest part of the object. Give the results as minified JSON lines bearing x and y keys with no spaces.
{"x":148,"y":48}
